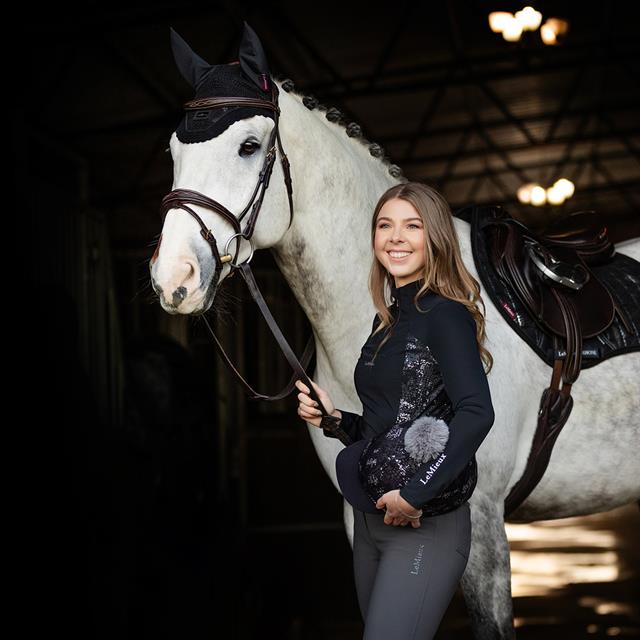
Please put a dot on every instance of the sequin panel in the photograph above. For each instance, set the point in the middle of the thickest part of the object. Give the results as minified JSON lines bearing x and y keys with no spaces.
{"x":423,"y":389}
{"x":387,"y":466}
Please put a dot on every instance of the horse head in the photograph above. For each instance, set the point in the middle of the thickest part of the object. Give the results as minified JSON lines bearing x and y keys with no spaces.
{"x":223,"y":150}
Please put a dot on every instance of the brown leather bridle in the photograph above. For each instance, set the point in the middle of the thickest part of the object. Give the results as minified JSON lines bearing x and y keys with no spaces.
{"x":181,"y":198}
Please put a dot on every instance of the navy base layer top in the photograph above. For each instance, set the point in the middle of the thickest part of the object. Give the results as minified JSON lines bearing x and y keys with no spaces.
{"x":430,"y":365}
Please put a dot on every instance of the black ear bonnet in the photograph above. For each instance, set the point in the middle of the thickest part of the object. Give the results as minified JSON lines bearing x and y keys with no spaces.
{"x":247,"y":78}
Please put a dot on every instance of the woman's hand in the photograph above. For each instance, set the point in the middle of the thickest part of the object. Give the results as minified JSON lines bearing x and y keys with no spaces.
{"x":396,"y":506}
{"x":308,"y":409}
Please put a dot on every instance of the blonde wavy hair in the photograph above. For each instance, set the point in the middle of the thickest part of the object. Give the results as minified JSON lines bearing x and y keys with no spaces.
{"x":444,"y":271}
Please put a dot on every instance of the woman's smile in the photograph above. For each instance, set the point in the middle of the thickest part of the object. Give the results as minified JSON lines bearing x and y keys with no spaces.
{"x":399,"y":240}
{"x":399,"y":256}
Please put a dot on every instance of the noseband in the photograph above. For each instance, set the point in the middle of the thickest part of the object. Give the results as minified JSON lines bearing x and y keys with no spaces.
{"x":181,"y":198}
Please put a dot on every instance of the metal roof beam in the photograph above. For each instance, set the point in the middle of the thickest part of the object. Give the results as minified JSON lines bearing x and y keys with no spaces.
{"x":521,"y":146}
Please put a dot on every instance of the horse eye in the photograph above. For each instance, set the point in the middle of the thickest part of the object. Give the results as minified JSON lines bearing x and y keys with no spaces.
{"x":248,"y":148}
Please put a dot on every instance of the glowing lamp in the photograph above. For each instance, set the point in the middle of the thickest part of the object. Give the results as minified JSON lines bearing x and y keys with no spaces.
{"x":538,"y":196}
{"x":529,"y":18}
{"x":566,"y":187}
{"x":552,"y":30}
{"x":524,"y":192}
{"x":498,"y":20}
{"x":512,"y":30}
{"x":555,"y":195}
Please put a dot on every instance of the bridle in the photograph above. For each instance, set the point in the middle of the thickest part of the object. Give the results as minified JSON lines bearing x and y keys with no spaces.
{"x":178,"y":198}
{"x":181,"y":198}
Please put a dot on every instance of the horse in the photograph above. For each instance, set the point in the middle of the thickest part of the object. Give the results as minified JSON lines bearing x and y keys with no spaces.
{"x":324,"y":253}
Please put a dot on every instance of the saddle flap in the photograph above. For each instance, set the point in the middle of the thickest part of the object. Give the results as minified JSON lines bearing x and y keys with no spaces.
{"x":532,"y":281}
{"x":593,"y":304}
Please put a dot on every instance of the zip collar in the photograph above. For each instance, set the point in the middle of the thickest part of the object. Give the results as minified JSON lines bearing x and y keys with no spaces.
{"x":403,"y":296}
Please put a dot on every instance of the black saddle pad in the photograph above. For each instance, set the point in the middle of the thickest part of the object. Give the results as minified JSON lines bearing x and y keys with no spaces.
{"x":621,"y":275}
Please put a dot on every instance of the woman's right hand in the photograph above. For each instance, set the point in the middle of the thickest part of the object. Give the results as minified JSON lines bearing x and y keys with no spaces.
{"x":308,"y":409}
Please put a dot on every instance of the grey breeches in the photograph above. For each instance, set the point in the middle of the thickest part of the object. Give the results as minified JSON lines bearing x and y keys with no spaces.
{"x":405,"y":577}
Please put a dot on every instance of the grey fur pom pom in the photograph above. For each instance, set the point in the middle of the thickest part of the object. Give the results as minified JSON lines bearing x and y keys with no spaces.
{"x":426,"y":438}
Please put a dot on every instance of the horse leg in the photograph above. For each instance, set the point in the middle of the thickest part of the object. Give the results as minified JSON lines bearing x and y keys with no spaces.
{"x":486,"y":582}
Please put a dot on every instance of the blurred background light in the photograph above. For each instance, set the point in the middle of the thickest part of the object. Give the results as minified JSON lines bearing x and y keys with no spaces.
{"x":498,"y":20}
{"x":529,"y":18}
{"x":566,"y":186}
{"x":524,"y":192}
{"x":512,"y":30}
{"x":538,"y":196}
{"x":555,"y":195}
{"x":552,"y":30}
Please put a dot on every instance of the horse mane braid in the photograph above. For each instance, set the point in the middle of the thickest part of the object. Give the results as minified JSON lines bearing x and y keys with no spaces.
{"x":352,"y":129}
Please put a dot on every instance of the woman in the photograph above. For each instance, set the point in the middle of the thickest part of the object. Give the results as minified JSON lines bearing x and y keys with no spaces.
{"x":424,"y":356}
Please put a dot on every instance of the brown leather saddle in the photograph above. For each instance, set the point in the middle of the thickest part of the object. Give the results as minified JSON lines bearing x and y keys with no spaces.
{"x":550,"y":274}
{"x":562,"y":291}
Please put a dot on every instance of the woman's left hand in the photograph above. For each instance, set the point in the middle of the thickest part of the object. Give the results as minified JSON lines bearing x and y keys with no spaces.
{"x":396,"y":506}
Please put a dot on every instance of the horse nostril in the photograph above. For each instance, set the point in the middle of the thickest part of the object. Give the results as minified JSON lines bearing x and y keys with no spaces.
{"x":179,"y":295}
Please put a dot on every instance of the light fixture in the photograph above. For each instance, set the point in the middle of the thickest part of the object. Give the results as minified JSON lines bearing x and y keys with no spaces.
{"x":558,"y":25}
{"x":565,"y":186}
{"x":538,"y":196}
{"x":534,"y":194}
{"x":548,"y":35}
{"x":552,"y":30}
{"x":555,"y":195}
{"x":512,"y":30}
{"x":524,"y":192}
{"x":529,"y":18}
{"x":512,"y":25}
{"x":498,"y":20}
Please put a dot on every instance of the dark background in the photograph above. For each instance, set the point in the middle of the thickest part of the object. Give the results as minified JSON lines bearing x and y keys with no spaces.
{"x":161,"y":492}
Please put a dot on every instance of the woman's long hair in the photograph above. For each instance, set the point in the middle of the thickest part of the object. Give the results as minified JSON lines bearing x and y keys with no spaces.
{"x":444,"y":271}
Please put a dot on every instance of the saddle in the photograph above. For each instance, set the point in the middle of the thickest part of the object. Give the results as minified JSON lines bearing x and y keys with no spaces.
{"x":550,"y":274}
{"x":569,"y":295}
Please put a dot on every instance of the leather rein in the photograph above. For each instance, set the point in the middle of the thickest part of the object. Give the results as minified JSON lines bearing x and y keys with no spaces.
{"x":181,"y":198}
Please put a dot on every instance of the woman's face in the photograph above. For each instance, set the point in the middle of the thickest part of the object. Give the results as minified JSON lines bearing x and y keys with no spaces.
{"x":399,"y":240}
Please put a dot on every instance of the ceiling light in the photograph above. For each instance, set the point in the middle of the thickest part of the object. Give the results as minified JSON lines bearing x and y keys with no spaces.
{"x":548,"y":35}
{"x":552,"y":30}
{"x":558,"y":25}
{"x":534,"y":194}
{"x":524,"y":192}
{"x":512,"y":30}
{"x":555,"y":195}
{"x":498,"y":20}
{"x":529,"y":18}
{"x":566,"y":187}
{"x":538,"y":196}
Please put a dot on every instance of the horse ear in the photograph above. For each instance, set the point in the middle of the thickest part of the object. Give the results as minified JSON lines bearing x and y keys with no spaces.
{"x":192,"y":67}
{"x":253,"y":59}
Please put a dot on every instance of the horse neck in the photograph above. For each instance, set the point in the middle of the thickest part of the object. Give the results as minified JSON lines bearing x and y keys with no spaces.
{"x":326,"y":253}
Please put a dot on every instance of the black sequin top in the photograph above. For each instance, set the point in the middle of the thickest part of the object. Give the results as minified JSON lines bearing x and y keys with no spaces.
{"x":430,"y":365}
